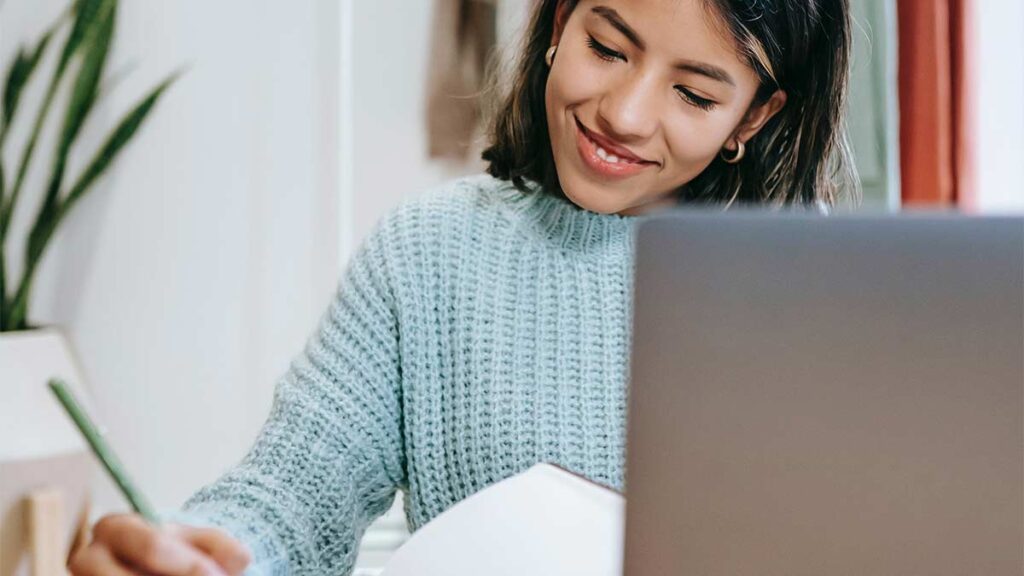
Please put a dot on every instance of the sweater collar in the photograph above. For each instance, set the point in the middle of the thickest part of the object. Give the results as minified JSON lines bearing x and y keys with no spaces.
{"x":557,"y":220}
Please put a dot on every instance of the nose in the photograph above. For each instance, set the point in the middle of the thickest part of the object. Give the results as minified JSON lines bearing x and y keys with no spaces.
{"x":629,"y":111}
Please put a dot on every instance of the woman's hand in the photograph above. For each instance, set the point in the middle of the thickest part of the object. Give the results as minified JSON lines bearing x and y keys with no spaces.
{"x":125,"y":545}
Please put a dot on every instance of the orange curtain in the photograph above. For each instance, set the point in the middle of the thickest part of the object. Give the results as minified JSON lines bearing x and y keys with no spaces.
{"x":936,"y":102}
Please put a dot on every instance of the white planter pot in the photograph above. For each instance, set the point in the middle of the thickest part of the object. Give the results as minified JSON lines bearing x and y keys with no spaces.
{"x":39,"y":446}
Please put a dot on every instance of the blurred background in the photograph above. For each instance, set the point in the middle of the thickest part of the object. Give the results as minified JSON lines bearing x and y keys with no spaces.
{"x":196,"y":270}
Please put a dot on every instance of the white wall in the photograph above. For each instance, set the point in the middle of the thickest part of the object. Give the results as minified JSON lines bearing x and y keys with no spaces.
{"x":1000,"y":81}
{"x":389,"y":55}
{"x":200,"y":265}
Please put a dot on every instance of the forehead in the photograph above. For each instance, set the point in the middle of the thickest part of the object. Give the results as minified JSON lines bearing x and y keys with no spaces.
{"x":686,"y":29}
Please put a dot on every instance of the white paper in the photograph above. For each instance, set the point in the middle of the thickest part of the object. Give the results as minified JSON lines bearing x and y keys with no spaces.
{"x":544,"y":521}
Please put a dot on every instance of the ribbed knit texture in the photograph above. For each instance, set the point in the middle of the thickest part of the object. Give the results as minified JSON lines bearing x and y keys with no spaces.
{"x":479,"y":330}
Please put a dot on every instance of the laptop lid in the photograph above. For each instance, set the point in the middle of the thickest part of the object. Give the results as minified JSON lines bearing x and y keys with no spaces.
{"x":835,"y":396}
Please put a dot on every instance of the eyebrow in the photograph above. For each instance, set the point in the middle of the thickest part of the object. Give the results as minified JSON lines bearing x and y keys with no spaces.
{"x":613,"y":18}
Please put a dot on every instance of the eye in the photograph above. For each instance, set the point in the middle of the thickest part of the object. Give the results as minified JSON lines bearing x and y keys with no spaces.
{"x":699,"y":102}
{"x":603,"y":52}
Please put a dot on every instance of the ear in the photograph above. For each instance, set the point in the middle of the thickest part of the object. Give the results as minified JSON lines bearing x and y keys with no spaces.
{"x":756,"y":118}
{"x":563,"y":10}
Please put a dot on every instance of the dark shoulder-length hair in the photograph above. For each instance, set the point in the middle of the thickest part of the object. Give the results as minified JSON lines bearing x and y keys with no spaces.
{"x":800,"y":156}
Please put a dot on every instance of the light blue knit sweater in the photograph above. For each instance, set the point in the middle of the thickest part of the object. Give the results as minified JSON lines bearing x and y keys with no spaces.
{"x":478,"y":331}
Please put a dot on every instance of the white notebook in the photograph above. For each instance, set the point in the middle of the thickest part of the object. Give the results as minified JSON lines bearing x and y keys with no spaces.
{"x":544,"y":521}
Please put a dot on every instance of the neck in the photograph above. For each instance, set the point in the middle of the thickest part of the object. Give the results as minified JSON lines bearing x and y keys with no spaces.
{"x":657,"y":205}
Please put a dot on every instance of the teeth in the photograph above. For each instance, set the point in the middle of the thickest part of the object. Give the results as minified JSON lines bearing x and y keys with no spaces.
{"x":610,"y":158}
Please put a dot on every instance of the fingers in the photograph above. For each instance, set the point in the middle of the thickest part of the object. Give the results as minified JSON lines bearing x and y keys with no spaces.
{"x":96,"y":560}
{"x":140,"y":545}
{"x":230,"y":554}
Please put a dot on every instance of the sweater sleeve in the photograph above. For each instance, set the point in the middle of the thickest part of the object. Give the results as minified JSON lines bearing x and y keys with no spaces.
{"x":329,"y":458}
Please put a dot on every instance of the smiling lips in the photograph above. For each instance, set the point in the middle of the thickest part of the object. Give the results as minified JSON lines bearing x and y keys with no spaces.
{"x":605,"y":157}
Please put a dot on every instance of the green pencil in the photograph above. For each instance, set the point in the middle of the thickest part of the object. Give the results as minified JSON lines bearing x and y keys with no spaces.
{"x":102,"y":450}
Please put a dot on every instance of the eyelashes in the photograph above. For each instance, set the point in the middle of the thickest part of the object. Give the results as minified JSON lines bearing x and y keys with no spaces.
{"x":608,"y":55}
{"x":702,"y":103}
{"x":603,"y":52}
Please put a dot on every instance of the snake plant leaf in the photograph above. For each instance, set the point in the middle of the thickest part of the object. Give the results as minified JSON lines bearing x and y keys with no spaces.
{"x":85,"y":12}
{"x":95,"y":48}
{"x":88,"y":46}
{"x":51,"y":215}
{"x":18,"y":75}
{"x":3,"y":262}
{"x":95,"y":51}
{"x":116,"y":141}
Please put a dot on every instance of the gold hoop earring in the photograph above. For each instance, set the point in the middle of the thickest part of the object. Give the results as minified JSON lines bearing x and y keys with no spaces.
{"x":549,"y":57}
{"x":741,"y":149}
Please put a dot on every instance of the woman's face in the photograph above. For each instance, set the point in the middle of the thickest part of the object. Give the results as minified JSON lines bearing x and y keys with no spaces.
{"x":641,"y":97}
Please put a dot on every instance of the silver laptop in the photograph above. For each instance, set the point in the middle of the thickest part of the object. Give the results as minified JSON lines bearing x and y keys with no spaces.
{"x":827,"y":396}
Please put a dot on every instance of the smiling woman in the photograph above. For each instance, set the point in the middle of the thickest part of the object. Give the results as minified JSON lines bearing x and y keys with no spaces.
{"x":635,"y":105}
{"x":484,"y":326}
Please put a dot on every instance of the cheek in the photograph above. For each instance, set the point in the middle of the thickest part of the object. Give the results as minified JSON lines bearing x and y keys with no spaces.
{"x":694,"y":140}
{"x":574,"y":79}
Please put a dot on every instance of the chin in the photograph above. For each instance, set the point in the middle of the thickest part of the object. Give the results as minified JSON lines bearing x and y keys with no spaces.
{"x":596,"y":200}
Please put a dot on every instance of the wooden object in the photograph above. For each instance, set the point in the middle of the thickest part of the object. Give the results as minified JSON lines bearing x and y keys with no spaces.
{"x":82,"y":532}
{"x":44,"y":511}
{"x":69,"y":474}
